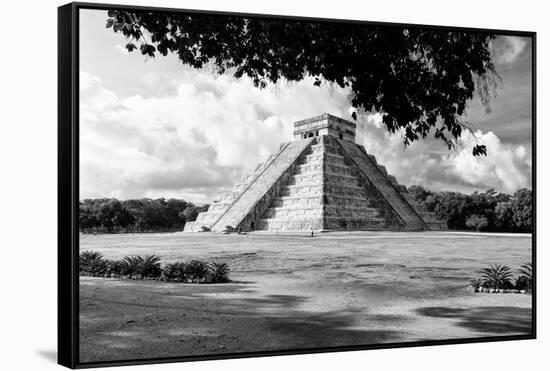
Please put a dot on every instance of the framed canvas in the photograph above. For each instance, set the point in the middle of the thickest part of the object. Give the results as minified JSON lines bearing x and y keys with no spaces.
{"x":240,"y":185}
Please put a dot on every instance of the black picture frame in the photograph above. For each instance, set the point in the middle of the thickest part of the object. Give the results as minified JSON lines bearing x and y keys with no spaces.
{"x":68,"y":190}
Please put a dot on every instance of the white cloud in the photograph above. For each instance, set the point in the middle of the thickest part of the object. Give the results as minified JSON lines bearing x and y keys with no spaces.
{"x":201,"y":139}
{"x":506,"y":49}
{"x":428,"y":163}
{"x":205,"y":132}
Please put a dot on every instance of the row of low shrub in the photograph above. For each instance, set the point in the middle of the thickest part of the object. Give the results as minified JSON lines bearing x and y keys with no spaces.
{"x":499,"y":278}
{"x":148,"y":267}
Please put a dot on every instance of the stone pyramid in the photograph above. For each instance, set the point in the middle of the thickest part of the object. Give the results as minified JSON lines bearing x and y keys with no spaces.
{"x":320,"y":181}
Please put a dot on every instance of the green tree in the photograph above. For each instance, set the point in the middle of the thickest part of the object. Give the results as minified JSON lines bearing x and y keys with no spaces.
{"x":108,"y":215}
{"x":192,"y":212}
{"x":504,"y":216}
{"x":420,"y":80}
{"x":477,"y":222}
{"x":419,"y":193}
{"x":522,"y":208}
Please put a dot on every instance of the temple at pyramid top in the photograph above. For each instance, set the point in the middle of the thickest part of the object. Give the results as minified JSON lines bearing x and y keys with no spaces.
{"x":323,"y":181}
{"x":325,"y":124}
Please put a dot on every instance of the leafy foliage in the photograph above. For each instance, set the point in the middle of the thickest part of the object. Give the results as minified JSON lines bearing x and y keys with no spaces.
{"x":479,"y":223}
{"x":489,"y":211}
{"x":497,"y":277}
{"x":476,"y":284}
{"x":174,"y":272}
{"x":522,"y":208}
{"x":147,"y":266}
{"x":419,"y":80}
{"x":112,"y":215}
{"x":526,"y":275}
{"x":114,"y":267}
{"x":526,"y":270}
{"x":151,"y":266}
{"x":196,"y":270}
{"x":91,"y":263}
{"x":219,"y":272}
{"x":523,"y":283}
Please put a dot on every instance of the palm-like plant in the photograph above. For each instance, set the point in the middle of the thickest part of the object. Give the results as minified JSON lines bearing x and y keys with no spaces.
{"x":91,"y":263}
{"x":90,"y":255}
{"x":142,"y":266}
{"x":132,"y":265}
{"x":195,"y":270}
{"x":476,"y":284}
{"x":526,"y":272}
{"x":219,"y":272}
{"x":150,"y":266}
{"x":497,"y":276}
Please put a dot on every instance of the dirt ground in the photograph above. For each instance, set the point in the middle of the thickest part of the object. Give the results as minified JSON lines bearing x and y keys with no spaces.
{"x":296,"y":292}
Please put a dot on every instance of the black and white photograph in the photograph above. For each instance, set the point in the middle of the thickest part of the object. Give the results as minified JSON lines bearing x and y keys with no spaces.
{"x":258,"y":185}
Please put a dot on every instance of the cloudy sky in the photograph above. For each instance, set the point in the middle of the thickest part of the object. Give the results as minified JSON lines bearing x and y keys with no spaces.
{"x":154,"y":128}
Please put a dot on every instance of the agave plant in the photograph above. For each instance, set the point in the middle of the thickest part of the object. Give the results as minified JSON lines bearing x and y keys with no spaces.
{"x":196,"y":270}
{"x":219,"y":272}
{"x":476,"y":284}
{"x":147,"y":266}
{"x":132,"y":265}
{"x":497,"y":277}
{"x":150,"y":266}
{"x":91,"y":263}
{"x":526,"y":275}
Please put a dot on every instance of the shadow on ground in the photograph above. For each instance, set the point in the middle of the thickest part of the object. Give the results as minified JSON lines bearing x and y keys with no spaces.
{"x":115,"y":324}
{"x":496,"y":320}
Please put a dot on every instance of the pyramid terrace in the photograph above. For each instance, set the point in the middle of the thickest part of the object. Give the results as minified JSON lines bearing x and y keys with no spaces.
{"x":321,"y":181}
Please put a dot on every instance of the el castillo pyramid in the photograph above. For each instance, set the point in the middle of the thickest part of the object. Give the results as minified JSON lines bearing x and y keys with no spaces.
{"x":322,"y":181}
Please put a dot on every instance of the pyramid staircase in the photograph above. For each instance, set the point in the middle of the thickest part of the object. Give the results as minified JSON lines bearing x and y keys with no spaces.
{"x":318,"y":182}
{"x":323,"y":194}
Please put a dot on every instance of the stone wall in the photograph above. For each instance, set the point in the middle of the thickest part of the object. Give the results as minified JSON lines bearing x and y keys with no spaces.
{"x":379,"y":178}
{"x":259,"y":194}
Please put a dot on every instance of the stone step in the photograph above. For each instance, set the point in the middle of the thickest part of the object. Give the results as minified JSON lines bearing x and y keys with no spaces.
{"x":343,"y":188}
{"x":338,"y":168}
{"x":289,"y":225}
{"x":361,"y":224}
{"x":329,"y":189}
{"x":368,"y":209}
{"x":314,"y":178}
{"x":330,"y":223}
{"x":311,"y":199}
{"x":275,"y":213}
{"x":313,"y":158}
{"x":330,"y":200}
{"x":261,"y":190}
{"x":330,"y":209}
{"x":370,"y":169}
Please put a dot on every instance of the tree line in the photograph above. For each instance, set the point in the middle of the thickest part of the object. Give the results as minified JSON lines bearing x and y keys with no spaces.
{"x":109,"y":215}
{"x":489,"y":211}
{"x":481,"y":211}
